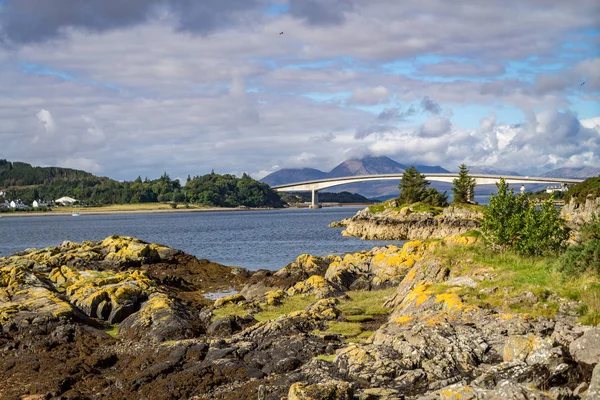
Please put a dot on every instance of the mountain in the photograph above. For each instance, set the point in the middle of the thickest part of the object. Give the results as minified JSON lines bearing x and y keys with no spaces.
{"x":367,"y":166}
{"x":289,"y":175}
{"x":354,"y":167}
{"x":578,"y":172}
{"x":480,"y":169}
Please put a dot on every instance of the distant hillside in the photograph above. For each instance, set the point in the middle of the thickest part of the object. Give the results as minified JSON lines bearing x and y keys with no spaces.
{"x":354,"y":167}
{"x":288,"y":175}
{"x":581,"y":172}
{"x":367,"y":166}
{"x":21,"y":174}
{"x":480,"y":169}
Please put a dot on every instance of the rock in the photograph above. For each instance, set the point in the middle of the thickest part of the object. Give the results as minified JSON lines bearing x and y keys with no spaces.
{"x":334,"y":390}
{"x":234,"y":298}
{"x":316,"y":286}
{"x":462,"y":281}
{"x":161,"y":318}
{"x":405,"y":224}
{"x":593,"y":392}
{"x":223,"y":327}
{"x":586,"y":349}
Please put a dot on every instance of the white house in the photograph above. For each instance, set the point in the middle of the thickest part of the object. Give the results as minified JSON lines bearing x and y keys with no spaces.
{"x":39,"y":203}
{"x":552,"y":189}
{"x":66,"y":201}
{"x":17,"y":204}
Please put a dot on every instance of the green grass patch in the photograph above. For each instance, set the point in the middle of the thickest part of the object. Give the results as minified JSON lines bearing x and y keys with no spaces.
{"x":359,"y":318}
{"x":513,"y":275}
{"x":346,"y":329}
{"x":420,"y":207}
{"x":326,"y":357}
{"x":229,"y":310}
{"x":366,"y":302}
{"x":289,"y":305}
{"x":472,"y":233}
{"x":377,"y":208}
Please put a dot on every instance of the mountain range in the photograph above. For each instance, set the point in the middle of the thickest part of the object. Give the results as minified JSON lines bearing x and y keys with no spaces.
{"x":384,"y":165}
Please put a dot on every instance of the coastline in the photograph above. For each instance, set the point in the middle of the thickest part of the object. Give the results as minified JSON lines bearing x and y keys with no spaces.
{"x":83,"y":212}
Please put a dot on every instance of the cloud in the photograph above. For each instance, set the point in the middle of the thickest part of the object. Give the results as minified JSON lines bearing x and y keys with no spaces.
{"x":25,"y":21}
{"x":46,"y":120}
{"x":319,"y":12}
{"x":370,"y":96}
{"x":462,"y":68}
{"x":430,"y":106}
{"x":435,"y":127}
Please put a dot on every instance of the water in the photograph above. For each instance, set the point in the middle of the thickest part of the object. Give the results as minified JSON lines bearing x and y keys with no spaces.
{"x":251,"y":239}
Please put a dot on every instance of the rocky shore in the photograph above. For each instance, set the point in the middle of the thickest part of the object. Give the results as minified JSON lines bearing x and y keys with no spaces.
{"x":125,"y":319}
{"x":411,"y":223}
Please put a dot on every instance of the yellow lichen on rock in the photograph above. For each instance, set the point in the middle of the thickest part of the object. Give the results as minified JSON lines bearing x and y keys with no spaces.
{"x":403,"y":319}
{"x":233,"y":298}
{"x":452,"y":302}
{"x":316,"y":285}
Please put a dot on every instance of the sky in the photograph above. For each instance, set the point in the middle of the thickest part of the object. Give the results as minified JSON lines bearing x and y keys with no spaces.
{"x":140,"y":87}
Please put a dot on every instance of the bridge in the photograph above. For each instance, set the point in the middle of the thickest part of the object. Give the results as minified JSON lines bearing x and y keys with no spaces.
{"x":315,"y":186}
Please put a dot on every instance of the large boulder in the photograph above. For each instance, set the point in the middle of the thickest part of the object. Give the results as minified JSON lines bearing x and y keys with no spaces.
{"x":334,"y":390}
{"x":161,"y":318}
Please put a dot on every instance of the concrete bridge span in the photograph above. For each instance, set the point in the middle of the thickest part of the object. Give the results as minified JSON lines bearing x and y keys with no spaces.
{"x":480,"y":179}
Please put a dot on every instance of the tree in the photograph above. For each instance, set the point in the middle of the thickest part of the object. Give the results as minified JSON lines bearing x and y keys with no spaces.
{"x":413,"y":186}
{"x":511,"y":221}
{"x":464,"y":186}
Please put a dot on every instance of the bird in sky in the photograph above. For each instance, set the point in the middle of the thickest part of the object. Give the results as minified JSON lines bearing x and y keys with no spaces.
{"x":281,"y":33}
{"x":583,"y":83}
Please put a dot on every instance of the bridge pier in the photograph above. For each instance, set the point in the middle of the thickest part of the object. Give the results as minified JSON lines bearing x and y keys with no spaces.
{"x":315,"y":200}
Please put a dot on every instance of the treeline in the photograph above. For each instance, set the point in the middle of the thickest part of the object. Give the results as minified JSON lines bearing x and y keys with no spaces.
{"x":212,"y":190}
{"x":22,"y":174}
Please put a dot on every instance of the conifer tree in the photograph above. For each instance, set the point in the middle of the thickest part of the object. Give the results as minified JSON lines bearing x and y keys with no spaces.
{"x":413,"y":186}
{"x":464,"y":186}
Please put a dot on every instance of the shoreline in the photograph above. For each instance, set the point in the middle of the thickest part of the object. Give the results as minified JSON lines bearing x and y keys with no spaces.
{"x":82,"y":212}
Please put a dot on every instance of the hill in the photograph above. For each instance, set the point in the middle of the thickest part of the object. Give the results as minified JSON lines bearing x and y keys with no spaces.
{"x":14,"y":174}
{"x":577,"y":172}
{"x":27,"y":183}
{"x":353,"y":167}
{"x":288,"y":175}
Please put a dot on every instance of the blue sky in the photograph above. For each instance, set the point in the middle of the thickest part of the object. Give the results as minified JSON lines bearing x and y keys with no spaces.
{"x":490,"y":84}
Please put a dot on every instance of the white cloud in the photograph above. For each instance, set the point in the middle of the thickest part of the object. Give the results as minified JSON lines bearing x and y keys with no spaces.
{"x":46,"y":120}
{"x":370,"y":96}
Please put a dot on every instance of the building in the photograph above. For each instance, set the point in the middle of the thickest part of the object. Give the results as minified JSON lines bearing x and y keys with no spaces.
{"x":39,"y":203}
{"x":558,"y":188}
{"x":17,"y":204}
{"x":66,"y":201}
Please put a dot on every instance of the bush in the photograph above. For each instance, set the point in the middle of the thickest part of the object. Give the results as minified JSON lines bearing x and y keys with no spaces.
{"x":584,"y":256}
{"x":511,"y":221}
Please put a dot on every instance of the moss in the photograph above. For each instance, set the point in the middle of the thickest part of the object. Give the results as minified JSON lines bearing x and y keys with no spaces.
{"x":113,"y":330}
{"x":326,"y":357}
{"x":359,"y":318}
{"x":366,"y":302}
{"x":346,"y":329}
{"x":288,"y":305}
{"x":230,"y":309}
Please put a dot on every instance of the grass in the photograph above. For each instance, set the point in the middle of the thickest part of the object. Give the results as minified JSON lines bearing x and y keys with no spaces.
{"x":289,"y":305}
{"x":514,"y":275}
{"x":364,"y":302}
{"x":124,"y":207}
{"x":229,"y":310}
{"x":346,"y":329}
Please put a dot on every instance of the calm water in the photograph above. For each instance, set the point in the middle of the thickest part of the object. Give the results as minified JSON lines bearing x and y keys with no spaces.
{"x":251,"y":239}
